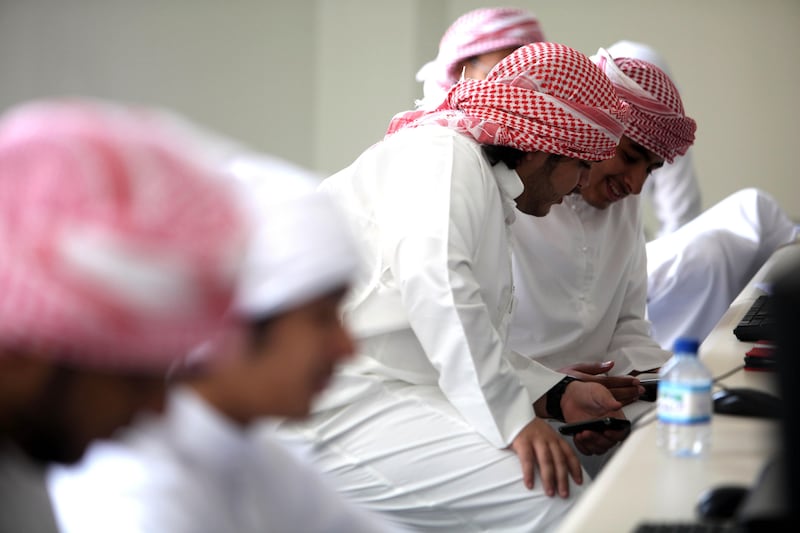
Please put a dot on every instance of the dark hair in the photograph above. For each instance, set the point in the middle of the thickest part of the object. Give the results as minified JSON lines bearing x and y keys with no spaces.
{"x":512,"y":156}
{"x":508,"y":155}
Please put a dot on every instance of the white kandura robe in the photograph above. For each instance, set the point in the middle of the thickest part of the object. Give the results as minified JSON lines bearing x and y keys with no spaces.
{"x":581,"y":287}
{"x":417,"y":426}
{"x":696,"y":272}
{"x":193,"y":471}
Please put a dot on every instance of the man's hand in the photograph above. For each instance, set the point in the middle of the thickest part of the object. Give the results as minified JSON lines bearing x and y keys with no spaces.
{"x":538,"y":444}
{"x":626,"y":389}
{"x":584,"y":401}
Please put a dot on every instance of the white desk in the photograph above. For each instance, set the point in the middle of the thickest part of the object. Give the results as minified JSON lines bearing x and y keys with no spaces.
{"x":641,"y":483}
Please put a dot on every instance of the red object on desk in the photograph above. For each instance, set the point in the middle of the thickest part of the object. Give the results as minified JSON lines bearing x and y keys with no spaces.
{"x":760,"y":357}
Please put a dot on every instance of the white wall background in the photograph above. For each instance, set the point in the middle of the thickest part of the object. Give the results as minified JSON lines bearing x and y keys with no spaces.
{"x":316,"y":81}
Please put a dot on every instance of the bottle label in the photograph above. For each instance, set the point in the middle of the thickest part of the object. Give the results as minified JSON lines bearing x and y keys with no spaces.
{"x":684,"y":403}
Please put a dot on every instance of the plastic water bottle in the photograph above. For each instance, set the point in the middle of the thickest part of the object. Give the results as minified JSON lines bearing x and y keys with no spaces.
{"x":684,"y":402}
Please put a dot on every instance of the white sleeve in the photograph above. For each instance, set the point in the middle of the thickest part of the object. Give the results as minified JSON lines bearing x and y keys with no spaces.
{"x":632,"y":346}
{"x":435,"y":221}
{"x":695,"y":273}
{"x":115,"y":489}
{"x":675,"y":194}
{"x":265,"y":490}
{"x":292,"y":496}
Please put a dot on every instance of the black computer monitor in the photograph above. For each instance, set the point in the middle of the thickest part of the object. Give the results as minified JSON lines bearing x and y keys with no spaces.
{"x":769,"y":506}
{"x":786,"y":300}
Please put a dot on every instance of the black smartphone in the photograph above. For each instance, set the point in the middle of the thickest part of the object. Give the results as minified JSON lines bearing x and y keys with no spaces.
{"x":650,"y":389}
{"x":598,"y":424}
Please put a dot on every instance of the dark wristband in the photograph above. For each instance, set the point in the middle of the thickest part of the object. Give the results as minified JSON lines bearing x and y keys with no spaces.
{"x":554,"y":395}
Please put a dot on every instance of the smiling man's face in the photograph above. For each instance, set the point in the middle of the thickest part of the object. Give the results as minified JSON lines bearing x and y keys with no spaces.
{"x":624,"y":174}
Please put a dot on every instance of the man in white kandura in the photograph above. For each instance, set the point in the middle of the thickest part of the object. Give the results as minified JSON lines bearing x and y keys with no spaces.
{"x":580,"y":273}
{"x":437,"y":422}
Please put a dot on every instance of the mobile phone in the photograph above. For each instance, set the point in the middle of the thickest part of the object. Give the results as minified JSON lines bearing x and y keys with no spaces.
{"x":650,"y":389}
{"x":598,"y":424}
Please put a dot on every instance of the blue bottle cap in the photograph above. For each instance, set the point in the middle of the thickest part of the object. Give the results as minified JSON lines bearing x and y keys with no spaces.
{"x":686,"y":345}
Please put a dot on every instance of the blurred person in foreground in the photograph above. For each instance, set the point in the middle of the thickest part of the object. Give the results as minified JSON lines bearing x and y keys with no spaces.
{"x":117,"y":255}
{"x":437,"y":422}
{"x":210,"y":464}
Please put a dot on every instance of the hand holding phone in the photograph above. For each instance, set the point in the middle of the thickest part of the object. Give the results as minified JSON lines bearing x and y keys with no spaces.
{"x":598,"y":424}
{"x":650,"y":389}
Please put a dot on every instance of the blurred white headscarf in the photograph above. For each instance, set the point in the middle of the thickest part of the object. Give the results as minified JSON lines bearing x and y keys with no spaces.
{"x":301,"y":247}
{"x":641,"y":51}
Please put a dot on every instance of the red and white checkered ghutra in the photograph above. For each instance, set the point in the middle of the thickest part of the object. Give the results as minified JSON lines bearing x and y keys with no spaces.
{"x":543,"y":97}
{"x":657,"y":119}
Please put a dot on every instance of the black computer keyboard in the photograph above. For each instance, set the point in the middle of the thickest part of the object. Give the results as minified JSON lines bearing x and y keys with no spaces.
{"x":758,"y":323}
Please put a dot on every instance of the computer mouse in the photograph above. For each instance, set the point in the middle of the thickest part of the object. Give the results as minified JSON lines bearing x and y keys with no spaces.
{"x":722,"y":502}
{"x":747,"y":402}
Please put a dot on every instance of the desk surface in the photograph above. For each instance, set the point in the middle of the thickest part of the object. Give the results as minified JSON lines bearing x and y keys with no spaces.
{"x":641,"y":483}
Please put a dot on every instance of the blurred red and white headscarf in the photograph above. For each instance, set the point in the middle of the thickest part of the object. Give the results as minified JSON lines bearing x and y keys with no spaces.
{"x":543,"y":97}
{"x":117,"y":251}
{"x":657,"y":120}
{"x":477,"y":32}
